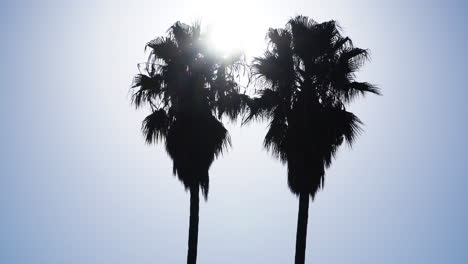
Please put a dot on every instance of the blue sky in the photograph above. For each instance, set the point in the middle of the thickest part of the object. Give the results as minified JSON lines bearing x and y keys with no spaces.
{"x":78,"y":184}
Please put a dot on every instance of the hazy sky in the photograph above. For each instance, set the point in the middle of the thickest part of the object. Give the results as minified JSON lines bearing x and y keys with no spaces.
{"x":78,"y":184}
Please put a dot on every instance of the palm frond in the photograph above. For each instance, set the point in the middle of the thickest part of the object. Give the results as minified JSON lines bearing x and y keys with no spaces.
{"x":348,"y":91}
{"x":344,"y":124}
{"x":301,"y":23}
{"x":267,"y":69}
{"x":353,"y":58}
{"x":342,"y":43}
{"x":312,"y":40}
{"x":148,"y":89}
{"x":162,"y":48}
{"x":181,"y":33}
{"x":280,"y":39}
{"x":156,"y":126}
{"x":232,"y":104}
{"x":262,"y":106}
{"x":360,"y":88}
{"x":275,"y":139}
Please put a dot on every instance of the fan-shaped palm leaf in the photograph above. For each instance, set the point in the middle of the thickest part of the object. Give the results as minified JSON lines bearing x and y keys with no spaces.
{"x":155,"y":126}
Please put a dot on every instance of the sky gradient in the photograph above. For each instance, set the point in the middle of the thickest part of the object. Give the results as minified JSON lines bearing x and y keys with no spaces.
{"x":79,"y":185}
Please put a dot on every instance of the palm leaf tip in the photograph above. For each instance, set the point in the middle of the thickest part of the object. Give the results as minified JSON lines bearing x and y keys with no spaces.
{"x":351,"y":127}
{"x":365,"y":87}
{"x":355,"y":89}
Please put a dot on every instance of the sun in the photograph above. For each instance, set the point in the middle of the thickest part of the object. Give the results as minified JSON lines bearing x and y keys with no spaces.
{"x":232,"y":36}
{"x":232,"y":27}
{"x":225,"y":38}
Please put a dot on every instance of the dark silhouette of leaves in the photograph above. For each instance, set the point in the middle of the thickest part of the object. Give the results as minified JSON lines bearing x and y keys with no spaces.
{"x":189,"y":89}
{"x":306,"y":78}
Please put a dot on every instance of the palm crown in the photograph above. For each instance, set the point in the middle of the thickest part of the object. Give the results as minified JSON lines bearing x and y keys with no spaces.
{"x":189,"y":89}
{"x":308,"y":76}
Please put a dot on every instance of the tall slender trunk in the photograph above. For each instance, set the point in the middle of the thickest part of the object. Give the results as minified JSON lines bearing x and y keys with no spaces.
{"x":301,"y":235}
{"x":193,"y":227}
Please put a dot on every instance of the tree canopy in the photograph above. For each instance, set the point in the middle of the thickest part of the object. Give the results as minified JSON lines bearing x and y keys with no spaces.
{"x":307,"y":77}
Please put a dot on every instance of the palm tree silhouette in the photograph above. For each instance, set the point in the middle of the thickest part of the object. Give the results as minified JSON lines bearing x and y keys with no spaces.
{"x":307,"y":76}
{"x":189,"y":89}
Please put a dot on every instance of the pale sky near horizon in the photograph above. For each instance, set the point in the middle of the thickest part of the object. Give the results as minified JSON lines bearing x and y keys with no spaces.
{"x":78,"y":184}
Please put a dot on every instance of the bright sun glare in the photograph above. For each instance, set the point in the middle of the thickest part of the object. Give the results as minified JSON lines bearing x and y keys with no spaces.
{"x":232,"y":27}
{"x":225,"y":38}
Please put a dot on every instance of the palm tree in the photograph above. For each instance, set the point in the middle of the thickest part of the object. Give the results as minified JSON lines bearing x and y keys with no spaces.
{"x":188,"y":89}
{"x":307,"y":77}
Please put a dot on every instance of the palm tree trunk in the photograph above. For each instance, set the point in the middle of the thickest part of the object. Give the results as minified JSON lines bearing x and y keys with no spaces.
{"x":193,"y":226}
{"x":301,"y":235}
